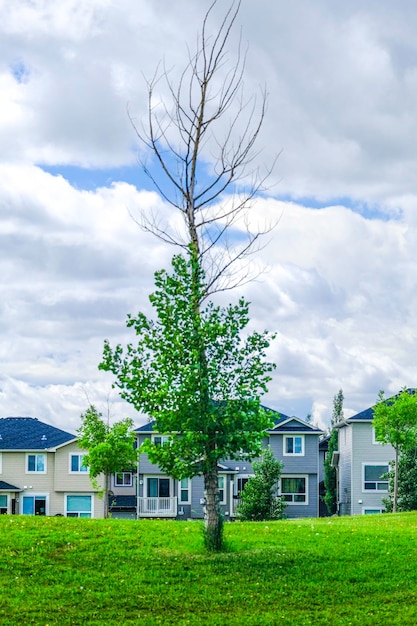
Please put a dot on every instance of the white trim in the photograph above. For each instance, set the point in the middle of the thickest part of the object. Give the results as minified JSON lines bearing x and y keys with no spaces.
{"x":374,"y":439}
{"x":123,"y":484}
{"x":374,"y":464}
{"x":36,"y":454}
{"x":78,"y":495}
{"x":188,"y":501}
{"x":164,"y":439}
{"x":79,"y":455}
{"x":374,"y":509}
{"x":30,"y":494}
{"x":284,"y":445}
{"x":1,"y":463}
{"x":158,"y":476}
{"x":224,"y":489}
{"x":306,"y":478}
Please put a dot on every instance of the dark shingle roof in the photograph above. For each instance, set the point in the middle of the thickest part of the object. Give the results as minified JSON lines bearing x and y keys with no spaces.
{"x":368,"y":414}
{"x":122,"y":502}
{"x":28,"y":433}
{"x":7,"y":486}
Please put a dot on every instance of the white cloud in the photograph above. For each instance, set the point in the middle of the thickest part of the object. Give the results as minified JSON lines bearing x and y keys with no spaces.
{"x":340,"y":282}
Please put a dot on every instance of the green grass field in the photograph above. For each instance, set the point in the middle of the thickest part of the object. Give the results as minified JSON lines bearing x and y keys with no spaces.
{"x":332,"y":571}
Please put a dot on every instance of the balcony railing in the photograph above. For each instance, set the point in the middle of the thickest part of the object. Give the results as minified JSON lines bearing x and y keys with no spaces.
{"x":157,"y":507}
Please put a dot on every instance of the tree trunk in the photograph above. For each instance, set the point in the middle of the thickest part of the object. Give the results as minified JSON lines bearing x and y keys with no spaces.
{"x":106,"y":495}
{"x":394,"y":504}
{"x":213,"y":522}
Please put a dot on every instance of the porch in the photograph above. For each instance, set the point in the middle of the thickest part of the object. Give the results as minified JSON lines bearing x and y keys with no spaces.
{"x":157,"y":507}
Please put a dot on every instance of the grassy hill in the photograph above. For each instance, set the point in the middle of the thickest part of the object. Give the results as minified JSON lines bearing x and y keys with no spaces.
{"x":350,"y":571}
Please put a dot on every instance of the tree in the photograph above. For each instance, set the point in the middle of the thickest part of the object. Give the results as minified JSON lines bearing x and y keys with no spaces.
{"x":110,"y":449}
{"x":330,"y":474}
{"x":198,"y":379}
{"x":201,"y":140}
{"x":407,"y":482}
{"x":258,"y":500}
{"x":395,"y":422}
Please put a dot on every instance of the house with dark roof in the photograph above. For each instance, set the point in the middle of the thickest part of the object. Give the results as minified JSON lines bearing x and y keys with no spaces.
{"x":42,"y":473}
{"x":293,"y":441}
{"x":362,"y":463}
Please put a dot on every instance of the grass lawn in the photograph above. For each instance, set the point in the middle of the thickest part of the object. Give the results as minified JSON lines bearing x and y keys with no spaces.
{"x":350,"y":571}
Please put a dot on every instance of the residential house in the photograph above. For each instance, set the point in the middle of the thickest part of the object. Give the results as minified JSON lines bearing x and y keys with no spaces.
{"x":361,"y":463}
{"x":42,"y":471}
{"x":293,"y":441}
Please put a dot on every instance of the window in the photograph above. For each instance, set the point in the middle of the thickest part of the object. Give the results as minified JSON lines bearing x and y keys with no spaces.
{"x":34,"y":505}
{"x":184,"y":489}
{"x":240,"y":485}
{"x":3,"y":504}
{"x":158,"y":487}
{"x":77,"y":464}
{"x":160,"y":440}
{"x":222,"y":491}
{"x":374,"y":477}
{"x":294,"y":489}
{"x":123,"y":479}
{"x":293,"y":445}
{"x":372,"y":511}
{"x":374,"y":437}
{"x":79,"y":506}
{"x":36,"y":463}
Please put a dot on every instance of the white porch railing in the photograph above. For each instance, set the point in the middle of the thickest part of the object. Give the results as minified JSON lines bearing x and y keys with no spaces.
{"x":157,"y":507}
{"x":235,"y":503}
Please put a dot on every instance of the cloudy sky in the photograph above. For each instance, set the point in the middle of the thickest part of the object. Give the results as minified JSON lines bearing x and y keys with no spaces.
{"x":339,"y":281}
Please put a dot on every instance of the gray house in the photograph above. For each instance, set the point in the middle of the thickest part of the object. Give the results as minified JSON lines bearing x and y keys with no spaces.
{"x":361,"y":463}
{"x":293,"y":441}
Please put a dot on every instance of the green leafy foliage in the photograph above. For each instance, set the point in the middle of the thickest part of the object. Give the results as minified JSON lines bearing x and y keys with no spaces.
{"x":330,"y":476}
{"x":395,"y":422}
{"x":407,"y":482}
{"x":110,"y":449}
{"x":192,"y":371}
{"x":258,"y":500}
{"x":194,"y":375}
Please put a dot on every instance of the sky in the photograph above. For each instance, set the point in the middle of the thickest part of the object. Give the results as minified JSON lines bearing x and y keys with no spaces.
{"x":338,"y":271}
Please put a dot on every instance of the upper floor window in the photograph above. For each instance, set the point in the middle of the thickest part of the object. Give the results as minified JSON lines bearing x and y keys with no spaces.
{"x":77,"y":465}
{"x":185,"y":491}
{"x":123,"y":479}
{"x":293,"y":445}
{"x":375,"y":477}
{"x":375,"y":438}
{"x":36,"y":463}
{"x":221,"y":482}
{"x":160,"y":440}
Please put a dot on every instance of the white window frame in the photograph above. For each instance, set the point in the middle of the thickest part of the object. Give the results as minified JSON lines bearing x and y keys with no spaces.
{"x":286,"y":438}
{"x":375,"y":510}
{"x":187,"y":489}
{"x":36,"y":454}
{"x":158,"y":476}
{"x":291,"y":502}
{"x":374,"y":439}
{"x":1,"y":463}
{"x":29,"y":494}
{"x":78,"y":495}
{"x":164,"y":439}
{"x":80,"y":456}
{"x":235,"y":482}
{"x":374,"y":464}
{"x":123,"y":483}
{"x":224,"y":488}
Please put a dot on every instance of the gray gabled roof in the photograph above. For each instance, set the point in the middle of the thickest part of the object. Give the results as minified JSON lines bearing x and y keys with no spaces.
{"x":28,"y":433}
{"x":282,"y":423}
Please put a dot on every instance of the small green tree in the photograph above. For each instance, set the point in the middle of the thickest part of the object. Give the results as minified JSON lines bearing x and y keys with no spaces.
{"x":201,"y":382}
{"x":407,"y":482}
{"x":110,"y":449}
{"x":330,"y":475}
{"x":395,"y":422}
{"x":258,"y":500}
